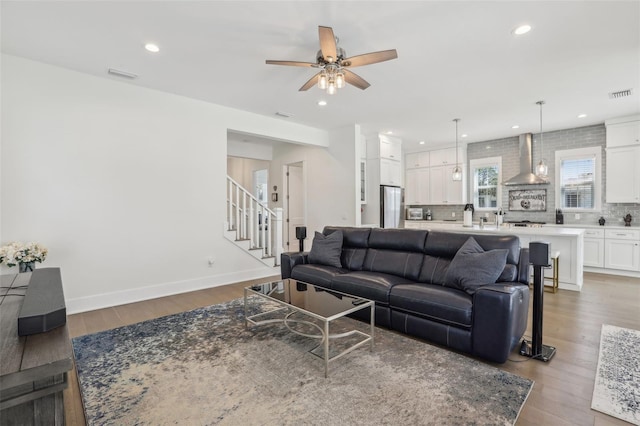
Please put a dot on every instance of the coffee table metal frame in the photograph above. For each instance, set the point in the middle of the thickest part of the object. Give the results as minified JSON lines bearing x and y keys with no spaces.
{"x":290,"y":310}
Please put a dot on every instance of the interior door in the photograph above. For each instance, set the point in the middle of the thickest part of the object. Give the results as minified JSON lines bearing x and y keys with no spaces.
{"x":294,"y":215}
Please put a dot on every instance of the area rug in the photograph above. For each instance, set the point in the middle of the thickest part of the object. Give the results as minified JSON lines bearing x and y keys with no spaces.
{"x":617,"y":388}
{"x":205,"y":367}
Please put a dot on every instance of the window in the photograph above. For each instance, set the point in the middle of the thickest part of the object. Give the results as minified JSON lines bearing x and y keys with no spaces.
{"x":486,"y":178}
{"x":578,"y":179}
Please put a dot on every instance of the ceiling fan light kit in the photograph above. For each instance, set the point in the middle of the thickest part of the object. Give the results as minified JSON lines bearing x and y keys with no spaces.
{"x":333,"y":63}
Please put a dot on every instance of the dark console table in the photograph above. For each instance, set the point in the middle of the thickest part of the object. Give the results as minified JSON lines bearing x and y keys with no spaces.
{"x":33,"y":371}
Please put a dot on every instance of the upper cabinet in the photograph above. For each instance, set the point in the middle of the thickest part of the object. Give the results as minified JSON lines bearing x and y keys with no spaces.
{"x":390,"y":148}
{"x":416,"y":160}
{"x":429,"y":179}
{"x":445,"y":157}
{"x":624,"y":131}
{"x":623,"y":160}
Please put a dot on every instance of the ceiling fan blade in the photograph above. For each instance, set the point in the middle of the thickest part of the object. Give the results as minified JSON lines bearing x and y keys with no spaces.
{"x":328,"y":44}
{"x":291,"y":63}
{"x":309,"y":84}
{"x":370,"y":58}
{"x":355,"y":80}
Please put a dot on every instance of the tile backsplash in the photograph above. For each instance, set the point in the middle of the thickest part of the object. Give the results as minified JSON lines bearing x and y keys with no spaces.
{"x":507,"y":148}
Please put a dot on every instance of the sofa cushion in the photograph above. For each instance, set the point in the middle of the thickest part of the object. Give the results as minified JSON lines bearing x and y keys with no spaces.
{"x":370,"y":285}
{"x":434,"y":269}
{"x":400,"y":263}
{"x":436,"y":303}
{"x":320,"y":275}
{"x":447,"y":244}
{"x":326,"y":250}
{"x":411,"y":240}
{"x":473,"y":267}
{"x":354,"y":245}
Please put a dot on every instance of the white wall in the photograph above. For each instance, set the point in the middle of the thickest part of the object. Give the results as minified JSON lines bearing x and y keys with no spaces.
{"x":124,"y":185}
{"x":241,"y":170}
{"x":329,"y":179}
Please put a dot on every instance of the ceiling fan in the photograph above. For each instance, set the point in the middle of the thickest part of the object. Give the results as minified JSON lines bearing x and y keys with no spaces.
{"x":333,"y":64}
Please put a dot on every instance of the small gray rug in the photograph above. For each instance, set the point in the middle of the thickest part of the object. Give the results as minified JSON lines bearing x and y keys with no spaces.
{"x":617,"y":388}
{"x":204,"y":367}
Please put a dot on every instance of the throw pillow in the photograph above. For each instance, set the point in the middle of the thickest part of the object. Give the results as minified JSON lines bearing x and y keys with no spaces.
{"x":326,"y":250}
{"x":473,"y":267}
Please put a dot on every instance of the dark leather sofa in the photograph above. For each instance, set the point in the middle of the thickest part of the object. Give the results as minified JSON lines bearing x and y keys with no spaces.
{"x":404,"y":270}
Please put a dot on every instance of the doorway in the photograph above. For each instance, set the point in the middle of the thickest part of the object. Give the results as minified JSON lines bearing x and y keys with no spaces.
{"x":260,"y":179}
{"x":294,"y":202}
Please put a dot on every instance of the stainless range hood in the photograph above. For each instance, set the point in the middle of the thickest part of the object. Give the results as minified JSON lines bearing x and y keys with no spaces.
{"x":525,"y":177}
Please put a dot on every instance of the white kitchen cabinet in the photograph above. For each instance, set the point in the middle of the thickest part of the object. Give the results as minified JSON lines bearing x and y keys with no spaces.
{"x":417,"y":186}
{"x":417,"y":159}
{"x":623,"y":175}
{"x":594,"y":248}
{"x":390,"y":172}
{"x":443,"y":189}
{"x":622,"y":249}
{"x":444,"y":157}
{"x":390,"y":148}
{"x":624,"y":131}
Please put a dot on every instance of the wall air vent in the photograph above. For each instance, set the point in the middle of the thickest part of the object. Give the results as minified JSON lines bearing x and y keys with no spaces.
{"x":284,"y":114}
{"x":120,"y":73}
{"x":620,"y":94}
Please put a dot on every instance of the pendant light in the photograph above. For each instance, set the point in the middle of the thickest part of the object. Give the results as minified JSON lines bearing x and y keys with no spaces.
{"x":542,"y":170}
{"x":457,"y":171}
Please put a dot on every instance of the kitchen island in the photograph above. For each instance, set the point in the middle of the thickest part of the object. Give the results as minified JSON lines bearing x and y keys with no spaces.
{"x":569,"y":242}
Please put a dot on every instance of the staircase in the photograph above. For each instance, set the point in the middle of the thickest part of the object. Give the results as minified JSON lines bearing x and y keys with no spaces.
{"x":244,"y":227}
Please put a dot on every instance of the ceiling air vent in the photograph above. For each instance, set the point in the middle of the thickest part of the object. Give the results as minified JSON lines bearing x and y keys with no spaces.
{"x":284,"y":114}
{"x":620,"y":94}
{"x":121,"y":73}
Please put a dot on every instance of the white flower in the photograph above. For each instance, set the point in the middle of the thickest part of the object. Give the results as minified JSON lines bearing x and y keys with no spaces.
{"x":15,"y":253}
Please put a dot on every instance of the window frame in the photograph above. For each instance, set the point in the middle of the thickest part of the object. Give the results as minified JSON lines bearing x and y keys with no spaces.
{"x":578,"y":154}
{"x":481,"y":163}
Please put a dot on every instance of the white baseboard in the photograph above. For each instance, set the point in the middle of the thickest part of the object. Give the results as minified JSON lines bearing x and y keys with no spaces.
{"x":107,"y":300}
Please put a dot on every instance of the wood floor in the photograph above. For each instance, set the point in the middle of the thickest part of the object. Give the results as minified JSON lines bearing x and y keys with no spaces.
{"x":563,"y":387}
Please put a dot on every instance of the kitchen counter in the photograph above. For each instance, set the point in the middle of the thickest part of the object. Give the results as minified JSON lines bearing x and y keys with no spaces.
{"x":591,"y":226}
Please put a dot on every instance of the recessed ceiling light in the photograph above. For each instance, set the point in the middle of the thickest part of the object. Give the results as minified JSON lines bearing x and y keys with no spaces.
{"x":152,"y":47}
{"x":488,"y":147}
{"x":522,"y":29}
{"x":515,"y":126}
{"x":421,"y":142}
{"x":389,"y":132}
{"x":322,"y":103}
{"x":464,"y":135}
{"x":582,"y":115}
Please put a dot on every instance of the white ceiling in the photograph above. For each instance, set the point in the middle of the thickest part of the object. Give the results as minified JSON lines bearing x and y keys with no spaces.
{"x":455,"y":59}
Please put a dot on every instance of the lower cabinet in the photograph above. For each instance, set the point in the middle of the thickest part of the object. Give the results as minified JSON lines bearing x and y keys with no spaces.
{"x":594,"y":248}
{"x":622,"y":250}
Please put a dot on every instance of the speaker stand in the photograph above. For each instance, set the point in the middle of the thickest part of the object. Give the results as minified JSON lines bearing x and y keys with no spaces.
{"x":534,"y":348}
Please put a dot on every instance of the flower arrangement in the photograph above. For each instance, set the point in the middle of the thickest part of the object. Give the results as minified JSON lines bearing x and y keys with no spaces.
{"x":16,"y":253}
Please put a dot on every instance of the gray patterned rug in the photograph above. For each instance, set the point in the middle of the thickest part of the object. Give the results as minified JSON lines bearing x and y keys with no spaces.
{"x":204,"y":367}
{"x":617,"y":388}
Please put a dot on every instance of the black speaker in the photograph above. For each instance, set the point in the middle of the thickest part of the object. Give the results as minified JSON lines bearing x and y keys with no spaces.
{"x":539,"y":253}
{"x":301,"y":232}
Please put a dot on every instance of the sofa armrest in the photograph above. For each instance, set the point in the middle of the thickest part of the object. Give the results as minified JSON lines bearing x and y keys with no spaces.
{"x":500,"y":313}
{"x":524,"y":268}
{"x":289,"y":260}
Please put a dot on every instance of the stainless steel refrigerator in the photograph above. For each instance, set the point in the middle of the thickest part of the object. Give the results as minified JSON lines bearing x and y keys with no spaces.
{"x":391,"y":207}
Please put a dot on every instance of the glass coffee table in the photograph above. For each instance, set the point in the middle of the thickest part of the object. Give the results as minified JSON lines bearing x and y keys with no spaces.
{"x":298,"y":303}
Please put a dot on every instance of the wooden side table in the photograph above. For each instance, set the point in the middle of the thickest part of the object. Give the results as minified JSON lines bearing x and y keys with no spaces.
{"x":33,"y":371}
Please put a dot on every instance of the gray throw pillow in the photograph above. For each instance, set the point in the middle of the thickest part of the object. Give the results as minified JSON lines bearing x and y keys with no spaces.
{"x":472,"y":267}
{"x":326,"y":250}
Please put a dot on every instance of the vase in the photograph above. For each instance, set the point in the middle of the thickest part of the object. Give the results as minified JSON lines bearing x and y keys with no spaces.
{"x":27,"y":267}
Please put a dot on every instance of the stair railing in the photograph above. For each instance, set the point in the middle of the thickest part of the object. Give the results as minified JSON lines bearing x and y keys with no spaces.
{"x":253,"y":221}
